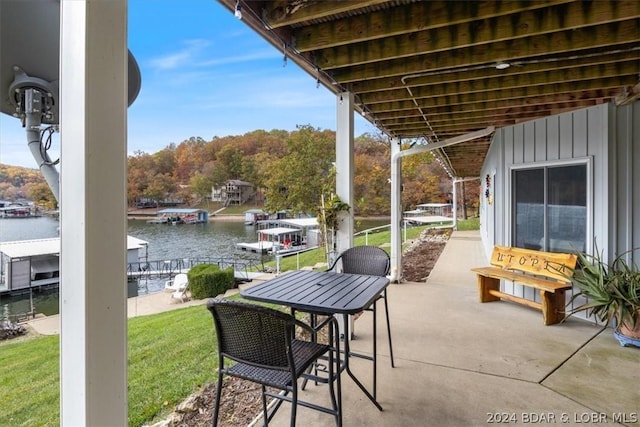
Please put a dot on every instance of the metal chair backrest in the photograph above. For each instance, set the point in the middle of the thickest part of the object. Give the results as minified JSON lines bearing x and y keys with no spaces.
{"x":253,"y":334}
{"x":369,"y":260}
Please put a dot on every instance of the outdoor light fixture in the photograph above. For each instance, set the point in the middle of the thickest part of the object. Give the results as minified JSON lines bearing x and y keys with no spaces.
{"x":238,"y":12}
{"x":502,"y":65}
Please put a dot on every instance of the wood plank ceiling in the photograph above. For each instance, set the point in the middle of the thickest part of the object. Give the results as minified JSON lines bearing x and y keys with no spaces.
{"x":430,"y":70}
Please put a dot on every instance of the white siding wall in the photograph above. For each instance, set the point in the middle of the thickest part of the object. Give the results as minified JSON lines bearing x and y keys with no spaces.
{"x":625,"y":182}
{"x":581,"y":134}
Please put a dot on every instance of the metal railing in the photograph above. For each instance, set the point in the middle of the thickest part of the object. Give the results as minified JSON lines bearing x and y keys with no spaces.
{"x":170,"y":267}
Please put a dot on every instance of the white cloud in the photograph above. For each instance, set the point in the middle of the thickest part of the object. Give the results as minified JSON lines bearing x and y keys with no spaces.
{"x":178,"y":59}
{"x":239,"y":59}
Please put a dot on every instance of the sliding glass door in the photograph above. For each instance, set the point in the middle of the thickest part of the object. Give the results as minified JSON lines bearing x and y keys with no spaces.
{"x":550,"y":208}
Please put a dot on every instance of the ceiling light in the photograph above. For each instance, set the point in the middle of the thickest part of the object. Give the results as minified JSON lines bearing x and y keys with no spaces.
{"x":238,"y":12}
{"x":502,"y":65}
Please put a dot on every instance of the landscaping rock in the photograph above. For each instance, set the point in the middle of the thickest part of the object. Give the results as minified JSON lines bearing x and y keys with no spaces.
{"x":10,"y":330}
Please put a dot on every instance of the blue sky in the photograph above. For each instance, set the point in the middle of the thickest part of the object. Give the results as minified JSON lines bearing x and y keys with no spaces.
{"x":204,"y":74}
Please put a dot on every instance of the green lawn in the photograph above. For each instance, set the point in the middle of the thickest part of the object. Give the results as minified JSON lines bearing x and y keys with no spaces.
{"x":171,"y":355}
{"x":469,"y":224}
{"x":381,"y":238}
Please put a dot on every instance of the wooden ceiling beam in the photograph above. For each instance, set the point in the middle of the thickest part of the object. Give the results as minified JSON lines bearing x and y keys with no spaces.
{"x":564,"y":45}
{"x":529,"y":24}
{"x":523,"y":106}
{"x":445,"y":115}
{"x":284,"y":13}
{"x":568,"y":90}
{"x":629,"y":96}
{"x":491,"y":72}
{"x":462,"y":121}
{"x":474,"y":117}
{"x":593,"y":75}
{"x":407,"y":18}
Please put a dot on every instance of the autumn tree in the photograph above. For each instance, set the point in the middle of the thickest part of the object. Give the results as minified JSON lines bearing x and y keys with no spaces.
{"x":17,"y":182}
{"x":140,"y":169}
{"x":41,"y":194}
{"x":423,"y":181}
{"x":295,"y":181}
{"x":164,"y":161}
{"x":160,"y":187}
{"x":371,"y":187}
{"x":201,"y":185}
{"x":230,"y":159}
{"x":189,"y":158}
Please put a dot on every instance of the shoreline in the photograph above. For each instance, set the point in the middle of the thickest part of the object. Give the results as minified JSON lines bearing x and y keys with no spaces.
{"x":143,"y":216}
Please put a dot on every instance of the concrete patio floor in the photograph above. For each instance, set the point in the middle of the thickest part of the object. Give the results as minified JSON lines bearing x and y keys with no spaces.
{"x":463,"y":363}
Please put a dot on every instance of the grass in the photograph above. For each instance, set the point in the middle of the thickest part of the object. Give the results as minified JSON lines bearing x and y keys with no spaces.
{"x":469,"y":224}
{"x":29,"y":383}
{"x":315,"y":256}
{"x":171,"y":355}
{"x":380,"y":238}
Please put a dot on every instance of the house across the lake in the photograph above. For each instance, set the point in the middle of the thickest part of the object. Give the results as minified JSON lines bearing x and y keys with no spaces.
{"x":234,"y":193}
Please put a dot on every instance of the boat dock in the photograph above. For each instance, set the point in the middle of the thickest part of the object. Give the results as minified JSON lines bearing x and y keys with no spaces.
{"x":244,"y":269}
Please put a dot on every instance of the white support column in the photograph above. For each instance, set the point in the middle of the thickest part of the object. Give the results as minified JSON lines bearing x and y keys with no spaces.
{"x":455,"y":203}
{"x":396,"y":211}
{"x":396,"y":187}
{"x":93,"y":339}
{"x":345,"y":166}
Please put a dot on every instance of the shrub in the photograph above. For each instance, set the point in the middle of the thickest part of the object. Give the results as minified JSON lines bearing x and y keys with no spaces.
{"x":207,"y":280}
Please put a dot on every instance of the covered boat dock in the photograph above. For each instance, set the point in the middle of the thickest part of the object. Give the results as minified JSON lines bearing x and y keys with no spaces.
{"x":35,"y":263}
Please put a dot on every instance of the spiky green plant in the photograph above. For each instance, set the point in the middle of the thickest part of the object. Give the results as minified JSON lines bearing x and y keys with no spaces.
{"x":612,"y":290}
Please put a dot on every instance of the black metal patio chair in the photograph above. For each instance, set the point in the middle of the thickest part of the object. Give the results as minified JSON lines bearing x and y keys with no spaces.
{"x":262,"y":343}
{"x":369,"y":260}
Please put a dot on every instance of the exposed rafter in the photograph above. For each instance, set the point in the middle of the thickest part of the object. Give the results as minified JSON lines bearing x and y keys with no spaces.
{"x":427,"y":69}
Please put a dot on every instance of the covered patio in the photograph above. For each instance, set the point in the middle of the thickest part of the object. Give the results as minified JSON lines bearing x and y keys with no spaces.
{"x":435,"y":72}
{"x":463,"y":363}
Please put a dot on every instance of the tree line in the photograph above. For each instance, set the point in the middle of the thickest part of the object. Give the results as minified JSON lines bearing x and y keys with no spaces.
{"x":293,"y":169}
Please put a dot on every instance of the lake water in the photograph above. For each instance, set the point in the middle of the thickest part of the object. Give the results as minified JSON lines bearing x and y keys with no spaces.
{"x":214,"y":239}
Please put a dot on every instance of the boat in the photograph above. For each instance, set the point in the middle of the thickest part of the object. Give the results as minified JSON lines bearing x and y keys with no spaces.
{"x":18,"y":211}
{"x":159,"y":220}
{"x":252,"y":216}
{"x":284,"y":236}
{"x":174,"y":216}
{"x":26,"y":264}
{"x":429,"y":213}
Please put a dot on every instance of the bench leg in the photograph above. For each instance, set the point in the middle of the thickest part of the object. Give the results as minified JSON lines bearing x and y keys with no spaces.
{"x":485,"y":284}
{"x":553,"y":304}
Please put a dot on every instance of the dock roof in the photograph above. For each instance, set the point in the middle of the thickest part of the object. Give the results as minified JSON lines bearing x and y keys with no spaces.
{"x":35,"y":247}
{"x":180,"y":211}
{"x":278,"y":231}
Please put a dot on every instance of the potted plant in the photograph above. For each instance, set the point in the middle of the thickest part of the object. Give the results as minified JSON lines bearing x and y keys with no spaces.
{"x":612,"y":292}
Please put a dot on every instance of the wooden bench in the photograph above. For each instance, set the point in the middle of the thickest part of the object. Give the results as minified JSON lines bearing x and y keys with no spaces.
{"x":546,"y":271}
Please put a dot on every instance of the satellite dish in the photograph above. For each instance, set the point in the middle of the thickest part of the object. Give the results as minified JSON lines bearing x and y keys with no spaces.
{"x":30,"y":56}
{"x":29,"y":73}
